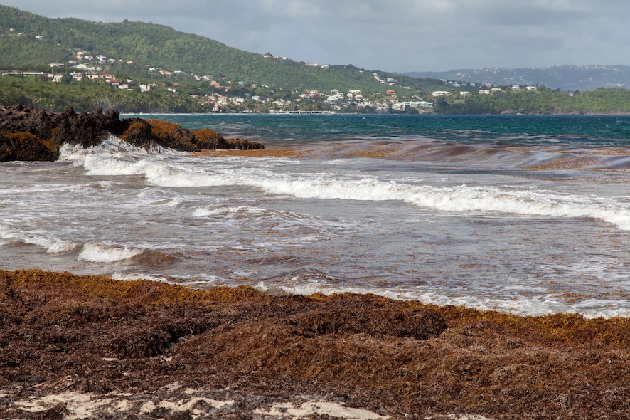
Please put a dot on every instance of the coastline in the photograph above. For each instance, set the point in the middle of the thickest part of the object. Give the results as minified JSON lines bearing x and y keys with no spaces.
{"x":507,"y":113}
{"x":147,"y":349}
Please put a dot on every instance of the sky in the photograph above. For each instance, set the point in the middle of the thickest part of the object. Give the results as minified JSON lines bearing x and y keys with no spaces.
{"x":391,"y":35}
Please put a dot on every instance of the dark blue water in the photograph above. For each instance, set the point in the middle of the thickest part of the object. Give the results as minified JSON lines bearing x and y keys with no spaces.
{"x":571,"y":130}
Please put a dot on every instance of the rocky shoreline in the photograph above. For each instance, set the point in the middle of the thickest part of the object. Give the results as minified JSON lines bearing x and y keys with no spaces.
{"x":28,"y":134}
{"x":92,"y":347}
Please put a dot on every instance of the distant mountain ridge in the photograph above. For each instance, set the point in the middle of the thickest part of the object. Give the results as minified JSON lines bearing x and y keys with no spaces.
{"x":568,"y":78}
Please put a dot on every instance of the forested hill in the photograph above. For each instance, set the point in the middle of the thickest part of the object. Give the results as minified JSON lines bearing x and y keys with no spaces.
{"x":30,"y":41}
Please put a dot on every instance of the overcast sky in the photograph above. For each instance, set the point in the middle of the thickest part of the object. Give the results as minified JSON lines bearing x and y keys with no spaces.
{"x":391,"y":35}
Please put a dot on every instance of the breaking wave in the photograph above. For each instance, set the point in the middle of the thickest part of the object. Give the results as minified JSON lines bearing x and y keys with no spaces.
{"x":51,"y":245}
{"x":95,"y":252}
{"x":461,"y":199}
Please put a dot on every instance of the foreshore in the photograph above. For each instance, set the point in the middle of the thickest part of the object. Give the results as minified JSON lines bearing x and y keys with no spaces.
{"x":92,"y":347}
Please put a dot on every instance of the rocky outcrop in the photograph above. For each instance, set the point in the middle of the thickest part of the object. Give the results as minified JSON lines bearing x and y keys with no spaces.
{"x":34,"y":134}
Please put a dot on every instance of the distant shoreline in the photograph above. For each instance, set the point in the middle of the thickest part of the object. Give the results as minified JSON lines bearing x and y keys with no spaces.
{"x":612,"y":114}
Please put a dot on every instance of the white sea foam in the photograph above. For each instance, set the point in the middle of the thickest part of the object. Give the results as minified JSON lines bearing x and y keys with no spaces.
{"x":95,"y":252}
{"x":248,"y":212}
{"x":52,"y":245}
{"x":447,"y":199}
{"x":463,"y":198}
{"x":137,"y":276}
{"x":229,"y":211}
{"x":593,"y":308}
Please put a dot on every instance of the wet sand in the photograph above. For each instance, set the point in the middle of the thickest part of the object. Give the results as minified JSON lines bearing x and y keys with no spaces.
{"x":92,"y":347}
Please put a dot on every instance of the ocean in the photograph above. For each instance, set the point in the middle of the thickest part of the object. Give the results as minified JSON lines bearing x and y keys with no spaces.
{"x":522,"y":214}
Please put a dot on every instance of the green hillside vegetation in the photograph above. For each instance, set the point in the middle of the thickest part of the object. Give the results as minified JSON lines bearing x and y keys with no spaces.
{"x":87,"y":96}
{"x":159,"y":46}
{"x":540,"y":101}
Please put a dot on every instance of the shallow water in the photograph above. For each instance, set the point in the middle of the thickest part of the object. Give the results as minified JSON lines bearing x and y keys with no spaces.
{"x":444,"y":210}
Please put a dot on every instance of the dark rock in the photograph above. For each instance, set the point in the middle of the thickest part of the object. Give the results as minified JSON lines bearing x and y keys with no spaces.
{"x":138,"y":133}
{"x":35,"y":134}
{"x":243,"y":144}
{"x":208,"y":139}
{"x":167,"y":134}
{"x":27,"y":147}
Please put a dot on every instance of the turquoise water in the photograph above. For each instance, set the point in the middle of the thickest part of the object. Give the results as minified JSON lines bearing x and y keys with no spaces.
{"x":585,"y":131}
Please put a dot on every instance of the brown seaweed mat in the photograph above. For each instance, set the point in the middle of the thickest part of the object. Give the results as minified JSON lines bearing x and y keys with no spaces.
{"x":92,"y":347}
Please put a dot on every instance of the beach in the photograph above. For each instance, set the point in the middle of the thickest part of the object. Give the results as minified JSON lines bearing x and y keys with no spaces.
{"x":356,"y":267}
{"x":93,"y":347}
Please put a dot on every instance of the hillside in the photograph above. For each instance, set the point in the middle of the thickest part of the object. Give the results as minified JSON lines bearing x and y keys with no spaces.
{"x":30,"y":41}
{"x":143,"y":67}
{"x":568,"y":78}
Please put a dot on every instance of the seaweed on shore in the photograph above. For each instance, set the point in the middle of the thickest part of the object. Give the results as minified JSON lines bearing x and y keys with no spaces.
{"x":90,"y":334}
